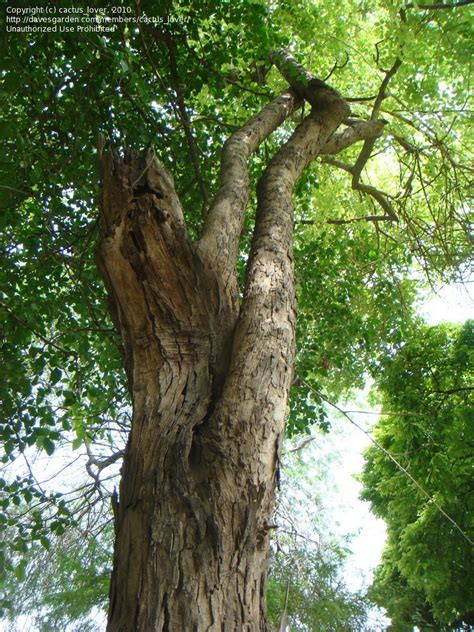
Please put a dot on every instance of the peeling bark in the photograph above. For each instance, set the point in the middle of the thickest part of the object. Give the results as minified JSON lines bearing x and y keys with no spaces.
{"x":209,"y":378}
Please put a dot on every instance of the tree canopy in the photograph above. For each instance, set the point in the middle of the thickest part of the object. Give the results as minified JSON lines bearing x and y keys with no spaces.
{"x":369,"y":222}
{"x":424,"y":578}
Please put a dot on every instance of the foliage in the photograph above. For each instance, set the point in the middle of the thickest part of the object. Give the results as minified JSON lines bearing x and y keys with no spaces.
{"x":59,"y":588}
{"x":425,"y":577}
{"x":306,"y":578}
{"x":317,"y":598}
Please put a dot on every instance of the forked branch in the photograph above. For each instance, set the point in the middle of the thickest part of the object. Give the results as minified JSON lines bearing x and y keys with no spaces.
{"x":264,"y":335}
{"x":219,"y":241}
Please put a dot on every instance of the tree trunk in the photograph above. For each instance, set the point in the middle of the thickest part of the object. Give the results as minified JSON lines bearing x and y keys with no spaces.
{"x":209,"y":378}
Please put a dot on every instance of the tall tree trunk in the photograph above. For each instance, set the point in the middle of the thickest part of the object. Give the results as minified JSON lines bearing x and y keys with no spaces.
{"x":209,"y":378}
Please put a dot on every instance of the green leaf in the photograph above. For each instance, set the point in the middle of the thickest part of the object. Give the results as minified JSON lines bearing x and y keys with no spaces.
{"x":20,"y":570}
{"x":45,"y":543}
{"x":69,"y":398}
{"x":77,"y":442}
{"x":27,"y":495}
{"x":46,"y":444}
{"x":55,"y":375}
{"x":49,"y":446}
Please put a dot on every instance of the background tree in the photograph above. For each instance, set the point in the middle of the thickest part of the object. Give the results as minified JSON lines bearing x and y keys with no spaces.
{"x":363,"y":217}
{"x":424,"y":578}
{"x":63,"y":584}
{"x":308,"y":586}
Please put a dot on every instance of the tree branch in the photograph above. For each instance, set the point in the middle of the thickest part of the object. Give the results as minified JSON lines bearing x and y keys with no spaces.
{"x":382,"y":94}
{"x":219,"y":241}
{"x":264,"y":335}
{"x":355,"y":132}
{"x":101,"y":463}
{"x":337,"y":66}
{"x":312,"y":89}
{"x":378,"y":196}
{"x":373,"y":129}
{"x":451,"y":391}
{"x":303,"y":83}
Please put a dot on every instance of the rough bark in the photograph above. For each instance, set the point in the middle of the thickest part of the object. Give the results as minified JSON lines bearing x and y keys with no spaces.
{"x":209,"y":380}
{"x":356,"y":131}
{"x":219,"y":241}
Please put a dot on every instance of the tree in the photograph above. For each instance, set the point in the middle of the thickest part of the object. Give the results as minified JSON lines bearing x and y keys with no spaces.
{"x":204,"y":303}
{"x":424,"y":578}
{"x":60,"y":589}
{"x":307,"y":582}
